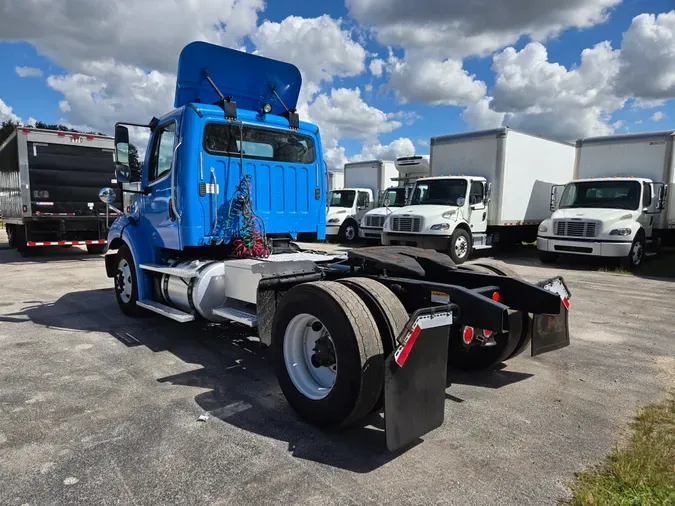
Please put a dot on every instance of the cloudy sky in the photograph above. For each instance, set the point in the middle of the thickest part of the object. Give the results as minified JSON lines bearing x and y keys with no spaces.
{"x":380,"y":76}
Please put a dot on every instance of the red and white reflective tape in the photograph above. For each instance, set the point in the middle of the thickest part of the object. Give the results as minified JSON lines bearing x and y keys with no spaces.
{"x":422,"y":323}
{"x":515,"y":223}
{"x":566,"y":302}
{"x":65,"y":243}
{"x":39,"y":213}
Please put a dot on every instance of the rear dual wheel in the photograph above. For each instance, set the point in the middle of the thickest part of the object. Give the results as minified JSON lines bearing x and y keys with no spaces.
{"x":482,"y":352}
{"x":328,"y":352}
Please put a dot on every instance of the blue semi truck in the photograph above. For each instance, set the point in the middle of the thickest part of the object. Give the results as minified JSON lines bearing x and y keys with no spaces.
{"x":231,"y":178}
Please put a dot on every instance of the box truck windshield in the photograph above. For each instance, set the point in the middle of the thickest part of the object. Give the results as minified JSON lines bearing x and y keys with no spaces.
{"x":602,"y":194}
{"x":440,"y":192}
{"x":395,"y":197}
{"x":342,"y":198}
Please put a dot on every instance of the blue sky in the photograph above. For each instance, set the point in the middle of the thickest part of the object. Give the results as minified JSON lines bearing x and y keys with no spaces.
{"x":539,"y":85}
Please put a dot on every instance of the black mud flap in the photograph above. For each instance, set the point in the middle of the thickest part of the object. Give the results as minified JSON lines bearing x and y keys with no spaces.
{"x":415,"y":377}
{"x":551,"y":332}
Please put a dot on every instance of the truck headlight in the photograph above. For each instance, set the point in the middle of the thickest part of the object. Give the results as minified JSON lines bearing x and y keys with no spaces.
{"x":543,"y":228}
{"x":621,"y":231}
{"x":448,"y":214}
{"x":334,"y":220}
{"x":440,"y":226}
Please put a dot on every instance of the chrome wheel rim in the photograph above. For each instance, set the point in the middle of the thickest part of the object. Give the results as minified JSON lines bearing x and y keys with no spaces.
{"x":637,"y":253}
{"x":123,"y":281}
{"x":350,"y":233}
{"x":461,"y":246}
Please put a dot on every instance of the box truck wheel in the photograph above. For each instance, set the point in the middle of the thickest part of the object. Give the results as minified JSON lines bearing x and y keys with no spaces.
{"x":327,"y":353}
{"x":20,"y":241}
{"x":349,"y":231}
{"x":126,"y":284}
{"x":637,"y":253}
{"x":459,"y":248}
{"x":10,"y":235}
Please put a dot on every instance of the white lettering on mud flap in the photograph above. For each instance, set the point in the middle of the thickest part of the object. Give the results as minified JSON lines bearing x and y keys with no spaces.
{"x":422,"y":323}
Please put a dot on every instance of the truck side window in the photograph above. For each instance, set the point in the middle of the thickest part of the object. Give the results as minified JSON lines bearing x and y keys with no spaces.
{"x":647,"y":195}
{"x":476,"y":194}
{"x":363,"y":200}
{"x":162,"y":153}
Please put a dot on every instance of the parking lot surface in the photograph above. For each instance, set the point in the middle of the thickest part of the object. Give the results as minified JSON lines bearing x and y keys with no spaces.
{"x":98,"y":408}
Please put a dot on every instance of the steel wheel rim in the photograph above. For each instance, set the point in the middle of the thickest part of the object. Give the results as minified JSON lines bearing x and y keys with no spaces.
{"x":300,"y":339}
{"x":350,"y":233}
{"x":123,"y":281}
{"x":461,"y":246}
{"x":637,"y":253}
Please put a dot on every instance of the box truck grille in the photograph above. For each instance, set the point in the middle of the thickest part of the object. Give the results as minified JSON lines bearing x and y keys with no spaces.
{"x":570,"y":228}
{"x":375,"y":221}
{"x":406,"y":224}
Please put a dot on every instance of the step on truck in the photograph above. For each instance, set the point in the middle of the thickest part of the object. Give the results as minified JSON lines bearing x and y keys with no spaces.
{"x":49,"y":183}
{"x":410,"y":169}
{"x":230,"y":177}
{"x":486,"y":188}
{"x":618,"y":205}
{"x":364,"y":183}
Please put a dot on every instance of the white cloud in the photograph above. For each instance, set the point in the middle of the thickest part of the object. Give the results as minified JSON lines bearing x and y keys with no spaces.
{"x":64,"y":106}
{"x":433,"y":82}
{"x":141,"y":33}
{"x":31,"y":121}
{"x":399,"y":147}
{"x":657,"y":116}
{"x":617,"y":124}
{"x":638,"y":122}
{"x":648,"y":57}
{"x":368,"y":88}
{"x":376,"y":66}
{"x":479,"y":116}
{"x":319,"y":47}
{"x":538,"y":95}
{"x":28,"y":72}
{"x":453,"y":29}
{"x":423,"y":142}
{"x":7,"y":113}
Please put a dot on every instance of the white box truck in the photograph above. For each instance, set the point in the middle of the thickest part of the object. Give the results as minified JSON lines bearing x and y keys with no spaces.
{"x":617,"y":204}
{"x":363,"y":183}
{"x":410,"y":169}
{"x":486,"y":187}
{"x":336,"y":179}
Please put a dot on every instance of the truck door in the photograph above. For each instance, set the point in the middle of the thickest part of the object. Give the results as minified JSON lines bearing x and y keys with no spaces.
{"x":648,"y":215}
{"x":157,"y":203}
{"x":363,"y":201}
{"x":477,"y":208}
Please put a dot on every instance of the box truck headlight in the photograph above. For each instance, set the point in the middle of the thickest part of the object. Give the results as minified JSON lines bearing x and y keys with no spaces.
{"x":448,"y":214}
{"x":543,"y":228}
{"x":440,"y":226}
{"x":621,"y":231}
{"x":334,"y":220}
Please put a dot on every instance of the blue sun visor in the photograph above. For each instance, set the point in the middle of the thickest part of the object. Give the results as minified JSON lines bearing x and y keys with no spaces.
{"x":249,"y":79}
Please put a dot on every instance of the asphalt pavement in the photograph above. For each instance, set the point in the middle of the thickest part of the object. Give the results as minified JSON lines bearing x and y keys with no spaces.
{"x":98,"y":408}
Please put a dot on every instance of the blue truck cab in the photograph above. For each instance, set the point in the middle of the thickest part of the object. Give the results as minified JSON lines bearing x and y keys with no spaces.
{"x":234,"y":116}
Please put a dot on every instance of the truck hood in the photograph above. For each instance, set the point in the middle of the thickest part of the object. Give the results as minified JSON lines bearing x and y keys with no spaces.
{"x":337,"y":212}
{"x":424,"y":210}
{"x":382,"y":211}
{"x":604,"y":215}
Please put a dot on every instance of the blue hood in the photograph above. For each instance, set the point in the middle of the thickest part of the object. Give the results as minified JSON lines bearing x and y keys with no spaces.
{"x":247,"y":78}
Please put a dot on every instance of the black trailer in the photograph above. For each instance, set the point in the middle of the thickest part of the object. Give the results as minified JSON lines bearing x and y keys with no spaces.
{"x":49,"y":184}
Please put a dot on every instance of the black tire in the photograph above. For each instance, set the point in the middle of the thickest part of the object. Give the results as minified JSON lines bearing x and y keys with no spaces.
{"x":637,"y":254}
{"x":476,"y":357}
{"x":547,"y":257}
{"x":128,"y":307}
{"x":389,"y":314}
{"x":95,"y":249}
{"x":10,"y":236}
{"x":525,"y":336}
{"x":349,"y":232}
{"x":20,"y":242}
{"x":360,"y":361}
{"x":460,"y":237}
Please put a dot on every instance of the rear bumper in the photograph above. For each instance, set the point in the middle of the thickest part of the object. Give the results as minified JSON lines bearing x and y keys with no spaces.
{"x":437,"y":242}
{"x":370,"y":233}
{"x":590,"y":248}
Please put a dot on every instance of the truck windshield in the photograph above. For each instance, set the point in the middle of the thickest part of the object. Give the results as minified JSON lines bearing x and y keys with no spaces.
{"x":260,"y":143}
{"x":440,"y":191}
{"x":604,"y":194}
{"x":395,"y":196}
{"x":342,"y":198}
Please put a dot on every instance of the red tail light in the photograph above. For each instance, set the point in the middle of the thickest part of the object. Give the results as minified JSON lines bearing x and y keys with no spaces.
{"x":495,"y":296}
{"x":467,"y":335}
{"x":487,"y":333}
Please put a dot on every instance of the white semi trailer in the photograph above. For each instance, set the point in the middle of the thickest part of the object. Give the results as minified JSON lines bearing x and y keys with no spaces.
{"x":410,"y":169}
{"x":364,"y":181}
{"x":486,"y":187}
{"x":617,"y":204}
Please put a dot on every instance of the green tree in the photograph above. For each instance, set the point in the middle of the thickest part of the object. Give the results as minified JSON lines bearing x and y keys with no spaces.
{"x":6,"y":129}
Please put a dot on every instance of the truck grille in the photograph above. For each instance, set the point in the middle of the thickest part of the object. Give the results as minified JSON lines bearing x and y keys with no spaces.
{"x":406,"y":224}
{"x":581,"y":228}
{"x":375,"y":221}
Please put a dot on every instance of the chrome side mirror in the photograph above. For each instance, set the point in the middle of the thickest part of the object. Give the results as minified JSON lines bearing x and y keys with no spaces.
{"x":107,"y":195}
